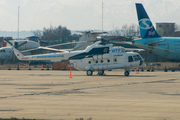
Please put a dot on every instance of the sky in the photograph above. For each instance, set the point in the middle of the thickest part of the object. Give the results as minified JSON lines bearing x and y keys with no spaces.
{"x":82,"y":14}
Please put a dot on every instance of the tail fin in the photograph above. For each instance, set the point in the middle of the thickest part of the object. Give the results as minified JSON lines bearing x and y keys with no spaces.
{"x":19,"y":55}
{"x":87,"y":39}
{"x":145,"y":25}
{"x":92,"y":46}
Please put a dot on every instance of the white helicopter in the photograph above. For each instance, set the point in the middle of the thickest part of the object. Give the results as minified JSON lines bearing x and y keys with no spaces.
{"x":54,"y":57}
{"x":94,"y":58}
{"x":106,"y":57}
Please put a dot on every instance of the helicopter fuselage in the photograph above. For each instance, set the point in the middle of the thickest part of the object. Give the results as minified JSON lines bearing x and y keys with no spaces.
{"x":110,"y":58}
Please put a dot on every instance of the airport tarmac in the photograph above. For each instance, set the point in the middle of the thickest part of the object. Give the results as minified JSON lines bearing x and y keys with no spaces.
{"x":37,"y":94}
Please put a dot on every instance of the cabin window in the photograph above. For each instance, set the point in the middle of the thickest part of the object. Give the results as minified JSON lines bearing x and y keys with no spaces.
{"x":101,"y":61}
{"x":89,"y":62}
{"x":130,"y":59}
{"x":96,"y":61}
{"x":108,"y":60}
{"x":115,"y":60}
{"x":2,"y":50}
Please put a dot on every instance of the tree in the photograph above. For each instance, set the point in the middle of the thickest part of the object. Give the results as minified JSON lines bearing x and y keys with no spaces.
{"x":132,"y":30}
{"x":177,"y":27}
{"x":124,"y":30}
{"x":116,"y":32}
{"x":53,"y":34}
{"x":38,"y":33}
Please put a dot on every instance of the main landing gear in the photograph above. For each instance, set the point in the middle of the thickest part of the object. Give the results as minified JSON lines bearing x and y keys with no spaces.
{"x":89,"y":72}
{"x":101,"y":72}
{"x":126,"y":73}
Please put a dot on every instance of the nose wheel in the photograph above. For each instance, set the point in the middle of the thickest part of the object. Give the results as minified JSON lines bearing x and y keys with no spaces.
{"x":89,"y":72}
{"x":126,"y":73}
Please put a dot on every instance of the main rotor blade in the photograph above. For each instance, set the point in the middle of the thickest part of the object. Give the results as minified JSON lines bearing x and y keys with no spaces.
{"x":8,"y":42}
{"x":81,"y":46}
{"x":20,"y":44}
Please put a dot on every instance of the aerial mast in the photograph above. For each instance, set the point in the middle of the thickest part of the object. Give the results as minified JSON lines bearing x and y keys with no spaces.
{"x":18,"y":21}
{"x":102,"y":16}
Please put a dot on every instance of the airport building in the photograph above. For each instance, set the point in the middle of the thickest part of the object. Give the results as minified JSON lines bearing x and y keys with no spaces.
{"x":165,"y":29}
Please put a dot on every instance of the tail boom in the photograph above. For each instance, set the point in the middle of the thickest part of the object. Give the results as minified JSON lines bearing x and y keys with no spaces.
{"x":19,"y":55}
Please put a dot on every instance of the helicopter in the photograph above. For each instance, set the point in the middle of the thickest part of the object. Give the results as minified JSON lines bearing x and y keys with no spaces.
{"x":106,"y":57}
{"x":95,"y":57}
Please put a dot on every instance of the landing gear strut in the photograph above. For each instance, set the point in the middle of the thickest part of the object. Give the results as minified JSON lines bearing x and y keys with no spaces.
{"x":89,"y":72}
{"x":126,"y":73}
{"x":101,"y":72}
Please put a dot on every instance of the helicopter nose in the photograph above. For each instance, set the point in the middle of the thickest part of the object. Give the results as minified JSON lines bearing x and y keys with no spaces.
{"x":141,"y":62}
{"x":133,"y":42}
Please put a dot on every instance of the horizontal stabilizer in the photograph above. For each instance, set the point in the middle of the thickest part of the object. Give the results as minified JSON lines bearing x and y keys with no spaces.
{"x":154,"y":43}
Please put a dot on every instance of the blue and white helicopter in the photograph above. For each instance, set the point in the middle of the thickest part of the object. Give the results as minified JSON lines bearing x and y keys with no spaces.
{"x":150,"y":40}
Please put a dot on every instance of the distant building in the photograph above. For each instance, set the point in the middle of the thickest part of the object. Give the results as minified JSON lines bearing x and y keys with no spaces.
{"x":165,"y":29}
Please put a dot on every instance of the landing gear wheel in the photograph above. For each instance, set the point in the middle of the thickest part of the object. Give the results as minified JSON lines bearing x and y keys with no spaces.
{"x":126,"y":73}
{"x":101,"y":72}
{"x":89,"y":72}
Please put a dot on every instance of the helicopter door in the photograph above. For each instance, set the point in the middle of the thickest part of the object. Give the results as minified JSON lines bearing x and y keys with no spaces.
{"x":128,"y":61}
{"x":103,"y":64}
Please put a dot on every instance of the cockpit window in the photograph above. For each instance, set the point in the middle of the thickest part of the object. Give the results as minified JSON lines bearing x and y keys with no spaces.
{"x":130,"y":59}
{"x":139,"y":57}
{"x":136,"y":57}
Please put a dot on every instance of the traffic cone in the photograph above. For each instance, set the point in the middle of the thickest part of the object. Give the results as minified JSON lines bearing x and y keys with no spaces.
{"x":42,"y":67}
{"x":137,"y":70}
{"x":70,"y":73}
{"x":132,"y":69}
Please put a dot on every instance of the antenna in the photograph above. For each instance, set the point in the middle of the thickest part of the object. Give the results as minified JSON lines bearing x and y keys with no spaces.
{"x":102,"y":16}
{"x":113,"y":25}
{"x":18,"y":21}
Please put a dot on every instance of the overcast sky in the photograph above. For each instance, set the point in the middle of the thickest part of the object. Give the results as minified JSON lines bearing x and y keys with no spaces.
{"x":82,"y":14}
